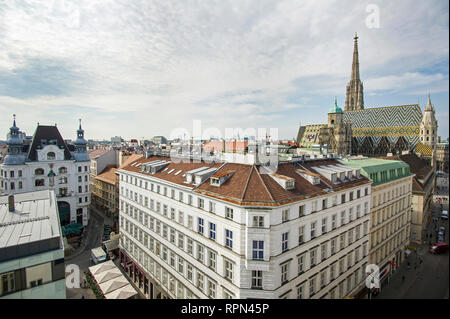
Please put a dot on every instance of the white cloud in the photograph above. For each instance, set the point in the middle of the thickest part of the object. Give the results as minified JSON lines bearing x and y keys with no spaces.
{"x":161,"y":64}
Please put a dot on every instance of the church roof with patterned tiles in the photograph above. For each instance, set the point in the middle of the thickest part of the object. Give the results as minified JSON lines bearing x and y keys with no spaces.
{"x":389,"y":121}
{"x":423,"y":149}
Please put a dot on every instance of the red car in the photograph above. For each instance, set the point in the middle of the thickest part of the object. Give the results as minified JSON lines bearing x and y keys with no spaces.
{"x":438,"y":248}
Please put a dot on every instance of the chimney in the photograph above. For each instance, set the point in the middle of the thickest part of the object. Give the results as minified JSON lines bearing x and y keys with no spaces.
{"x":11,"y":203}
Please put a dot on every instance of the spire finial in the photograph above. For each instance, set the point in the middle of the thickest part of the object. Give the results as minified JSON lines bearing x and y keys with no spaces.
{"x":356,"y":36}
{"x":335,"y":101}
{"x":14,"y":121}
{"x":80,"y":122}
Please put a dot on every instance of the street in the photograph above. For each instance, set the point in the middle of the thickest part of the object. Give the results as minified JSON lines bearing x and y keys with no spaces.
{"x":93,"y":239}
{"x":426,"y":280}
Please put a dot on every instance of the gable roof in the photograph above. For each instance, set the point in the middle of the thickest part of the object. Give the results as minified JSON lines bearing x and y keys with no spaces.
{"x":47,"y":132}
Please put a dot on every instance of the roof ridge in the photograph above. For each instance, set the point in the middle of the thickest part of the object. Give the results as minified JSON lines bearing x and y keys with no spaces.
{"x":383,"y":107}
{"x":246,"y":184}
{"x":265,"y":186}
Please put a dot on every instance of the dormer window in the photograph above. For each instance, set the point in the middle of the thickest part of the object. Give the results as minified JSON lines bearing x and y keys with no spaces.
{"x":51,"y":156}
{"x":38,"y":171}
{"x":215,"y":181}
{"x":63,"y":170}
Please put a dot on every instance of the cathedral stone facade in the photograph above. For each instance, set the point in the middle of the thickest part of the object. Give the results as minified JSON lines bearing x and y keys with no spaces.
{"x":372,"y":131}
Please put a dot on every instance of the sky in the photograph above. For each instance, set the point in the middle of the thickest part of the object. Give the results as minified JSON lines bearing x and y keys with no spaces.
{"x":143,"y":68}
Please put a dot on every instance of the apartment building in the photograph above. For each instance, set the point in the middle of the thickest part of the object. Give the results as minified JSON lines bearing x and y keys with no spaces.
{"x":423,"y":186}
{"x":391,"y":210}
{"x":31,"y":247}
{"x":229,"y":230}
{"x":49,"y":163}
{"x":105,"y":192}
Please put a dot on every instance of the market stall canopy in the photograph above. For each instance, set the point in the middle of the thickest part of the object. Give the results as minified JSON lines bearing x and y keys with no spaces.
{"x":113,"y":284}
{"x":125,"y":292}
{"x":97,"y":269}
{"x":107,"y":275}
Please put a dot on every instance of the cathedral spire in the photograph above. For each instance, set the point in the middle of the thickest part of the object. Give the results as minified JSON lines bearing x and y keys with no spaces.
{"x":354,"y":98}
{"x":355,"y":64}
{"x":429,"y":106}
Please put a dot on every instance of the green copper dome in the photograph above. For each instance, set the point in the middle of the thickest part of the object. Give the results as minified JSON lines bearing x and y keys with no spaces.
{"x":335,"y":108}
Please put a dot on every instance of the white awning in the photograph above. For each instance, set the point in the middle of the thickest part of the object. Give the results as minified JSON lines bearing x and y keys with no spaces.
{"x":111,"y":281}
{"x":125,"y":292}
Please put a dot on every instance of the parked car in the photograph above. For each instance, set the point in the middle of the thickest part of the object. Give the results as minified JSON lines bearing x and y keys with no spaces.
{"x":439,"y":248}
{"x":444,"y":214}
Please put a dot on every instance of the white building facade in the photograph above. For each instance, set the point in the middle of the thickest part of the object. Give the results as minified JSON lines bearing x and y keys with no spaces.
{"x":224,"y":230}
{"x":49,"y":164}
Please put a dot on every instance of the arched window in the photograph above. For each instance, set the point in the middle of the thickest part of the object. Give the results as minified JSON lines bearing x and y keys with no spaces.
{"x":62,"y":170}
{"x":50,"y":156}
{"x":38,"y":171}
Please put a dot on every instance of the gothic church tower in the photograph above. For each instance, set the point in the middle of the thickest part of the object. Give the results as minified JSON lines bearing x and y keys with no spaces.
{"x":354,"y":97}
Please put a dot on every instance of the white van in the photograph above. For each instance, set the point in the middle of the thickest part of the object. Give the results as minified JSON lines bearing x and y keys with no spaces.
{"x":444,"y":214}
{"x":98,"y":255}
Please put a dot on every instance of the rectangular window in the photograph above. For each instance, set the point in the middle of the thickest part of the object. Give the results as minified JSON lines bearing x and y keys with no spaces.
{"x":257,"y":278}
{"x":181,"y":218}
{"x":301,"y":236}
{"x":333,"y":221}
{"x":285,"y":215}
{"x":301,"y":210}
{"x":212,"y":231}
{"x":181,"y":241}
{"x":200,"y":225}
{"x":312,"y":256}
{"x":190,"y":246}
{"x":200,"y":281}
{"x":228,"y":213}
{"x":211,"y":259}
{"x":200,"y":253}
{"x":211,"y":289}
{"x":324,"y":225}
{"x":258,"y":249}
{"x":301,"y":264}
{"x":284,"y":241}
{"x":323,"y":252}
{"x":201,"y":203}
{"x":284,"y":273}
{"x":212,"y":207}
{"x":228,"y":269}
{"x":228,"y":238}
{"x":312,"y":286}
{"x":258,"y":221}
{"x":313,"y":230}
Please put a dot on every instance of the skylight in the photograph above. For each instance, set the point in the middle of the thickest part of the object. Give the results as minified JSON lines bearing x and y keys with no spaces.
{"x":170,"y":171}
{"x":178,"y":172}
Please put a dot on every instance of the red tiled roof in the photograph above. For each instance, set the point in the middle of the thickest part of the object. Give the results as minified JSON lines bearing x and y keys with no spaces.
{"x":108,"y":175}
{"x":236,"y":146}
{"x":131,"y":159}
{"x":248,"y":186}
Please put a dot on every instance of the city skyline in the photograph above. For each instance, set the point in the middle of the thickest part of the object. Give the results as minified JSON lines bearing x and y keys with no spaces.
{"x":142,"y":69}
